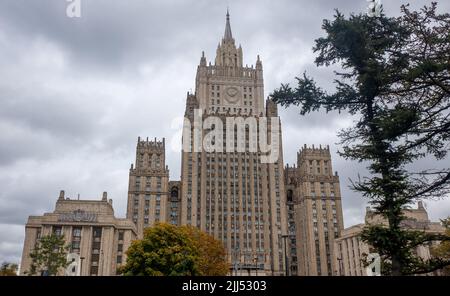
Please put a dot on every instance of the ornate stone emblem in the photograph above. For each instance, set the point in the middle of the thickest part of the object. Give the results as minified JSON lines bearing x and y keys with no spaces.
{"x":232,"y":94}
{"x":78,"y":216}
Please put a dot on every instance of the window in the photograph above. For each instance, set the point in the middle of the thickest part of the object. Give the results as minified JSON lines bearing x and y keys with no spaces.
{"x":96,"y":246}
{"x":57,"y":230}
{"x":120,"y":235}
{"x":76,"y":246}
{"x":97,"y":232}
{"x":38,"y":235}
{"x":76,"y":232}
{"x":76,"y":239}
{"x":94,"y":270}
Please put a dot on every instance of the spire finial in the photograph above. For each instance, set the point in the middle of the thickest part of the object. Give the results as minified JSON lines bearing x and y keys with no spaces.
{"x":228,"y":35}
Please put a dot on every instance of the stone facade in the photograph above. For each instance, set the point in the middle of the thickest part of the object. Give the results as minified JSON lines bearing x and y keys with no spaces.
{"x":148,"y":187}
{"x":314,"y":211}
{"x":233,"y":195}
{"x":89,"y":228}
{"x":351,"y":250}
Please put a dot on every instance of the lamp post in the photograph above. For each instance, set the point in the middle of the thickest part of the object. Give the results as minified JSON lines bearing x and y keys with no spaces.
{"x":285,"y":255}
{"x":101,"y":260}
{"x":81,"y":265}
{"x":340,"y":270}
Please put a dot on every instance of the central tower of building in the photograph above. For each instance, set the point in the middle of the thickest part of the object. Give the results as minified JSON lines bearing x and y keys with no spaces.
{"x":234,"y":196}
{"x":228,"y":86}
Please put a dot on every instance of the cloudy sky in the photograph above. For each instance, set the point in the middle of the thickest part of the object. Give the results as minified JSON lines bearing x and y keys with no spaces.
{"x":75,"y":93}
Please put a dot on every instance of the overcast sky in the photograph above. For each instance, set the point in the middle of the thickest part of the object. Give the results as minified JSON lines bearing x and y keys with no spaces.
{"x":75,"y":93}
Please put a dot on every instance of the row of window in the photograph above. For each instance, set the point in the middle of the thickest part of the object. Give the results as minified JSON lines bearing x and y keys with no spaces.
{"x":315,"y":166}
{"x":229,"y":109}
{"x":217,"y":88}
{"x":153,"y":160}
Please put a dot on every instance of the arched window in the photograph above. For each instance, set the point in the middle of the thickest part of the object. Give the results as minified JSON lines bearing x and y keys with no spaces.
{"x":174,"y":193}
{"x":290,"y":195}
{"x":154,"y":161}
{"x":158,"y":161}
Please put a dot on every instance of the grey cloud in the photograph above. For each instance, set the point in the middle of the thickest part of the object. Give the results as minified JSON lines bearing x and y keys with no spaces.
{"x":10,"y":249}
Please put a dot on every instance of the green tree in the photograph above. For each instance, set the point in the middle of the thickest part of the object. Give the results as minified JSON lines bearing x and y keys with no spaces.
{"x":443,"y":249}
{"x":175,"y":251}
{"x":8,"y":269}
{"x":395,"y":82}
{"x":49,"y":255}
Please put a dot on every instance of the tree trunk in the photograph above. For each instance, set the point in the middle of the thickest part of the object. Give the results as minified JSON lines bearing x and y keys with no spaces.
{"x":396,"y":269}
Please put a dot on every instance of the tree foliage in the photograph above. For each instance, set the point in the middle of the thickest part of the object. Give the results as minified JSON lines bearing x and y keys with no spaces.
{"x":175,"y":251}
{"x":443,"y":249}
{"x":8,"y":269}
{"x":395,"y":82}
{"x":49,"y":256}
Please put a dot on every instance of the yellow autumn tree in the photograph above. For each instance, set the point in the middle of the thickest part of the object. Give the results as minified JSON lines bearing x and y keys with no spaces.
{"x":212,"y":253}
{"x":168,"y":250}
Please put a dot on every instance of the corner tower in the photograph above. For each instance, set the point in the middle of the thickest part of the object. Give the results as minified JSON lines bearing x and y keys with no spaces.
{"x":148,"y":187}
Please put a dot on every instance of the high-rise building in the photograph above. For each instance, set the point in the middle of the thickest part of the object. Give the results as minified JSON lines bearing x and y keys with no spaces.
{"x":230,"y":193}
{"x":317,"y":210}
{"x":148,"y":187}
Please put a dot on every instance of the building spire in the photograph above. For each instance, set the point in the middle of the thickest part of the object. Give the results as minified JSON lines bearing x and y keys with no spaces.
{"x":228,"y":35}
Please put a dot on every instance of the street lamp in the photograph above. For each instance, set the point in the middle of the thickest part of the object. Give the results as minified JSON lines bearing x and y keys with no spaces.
{"x":285,"y":254}
{"x":255,"y":260}
{"x":101,"y":260}
{"x":340,"y":270}
{"x":81,"y":265}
